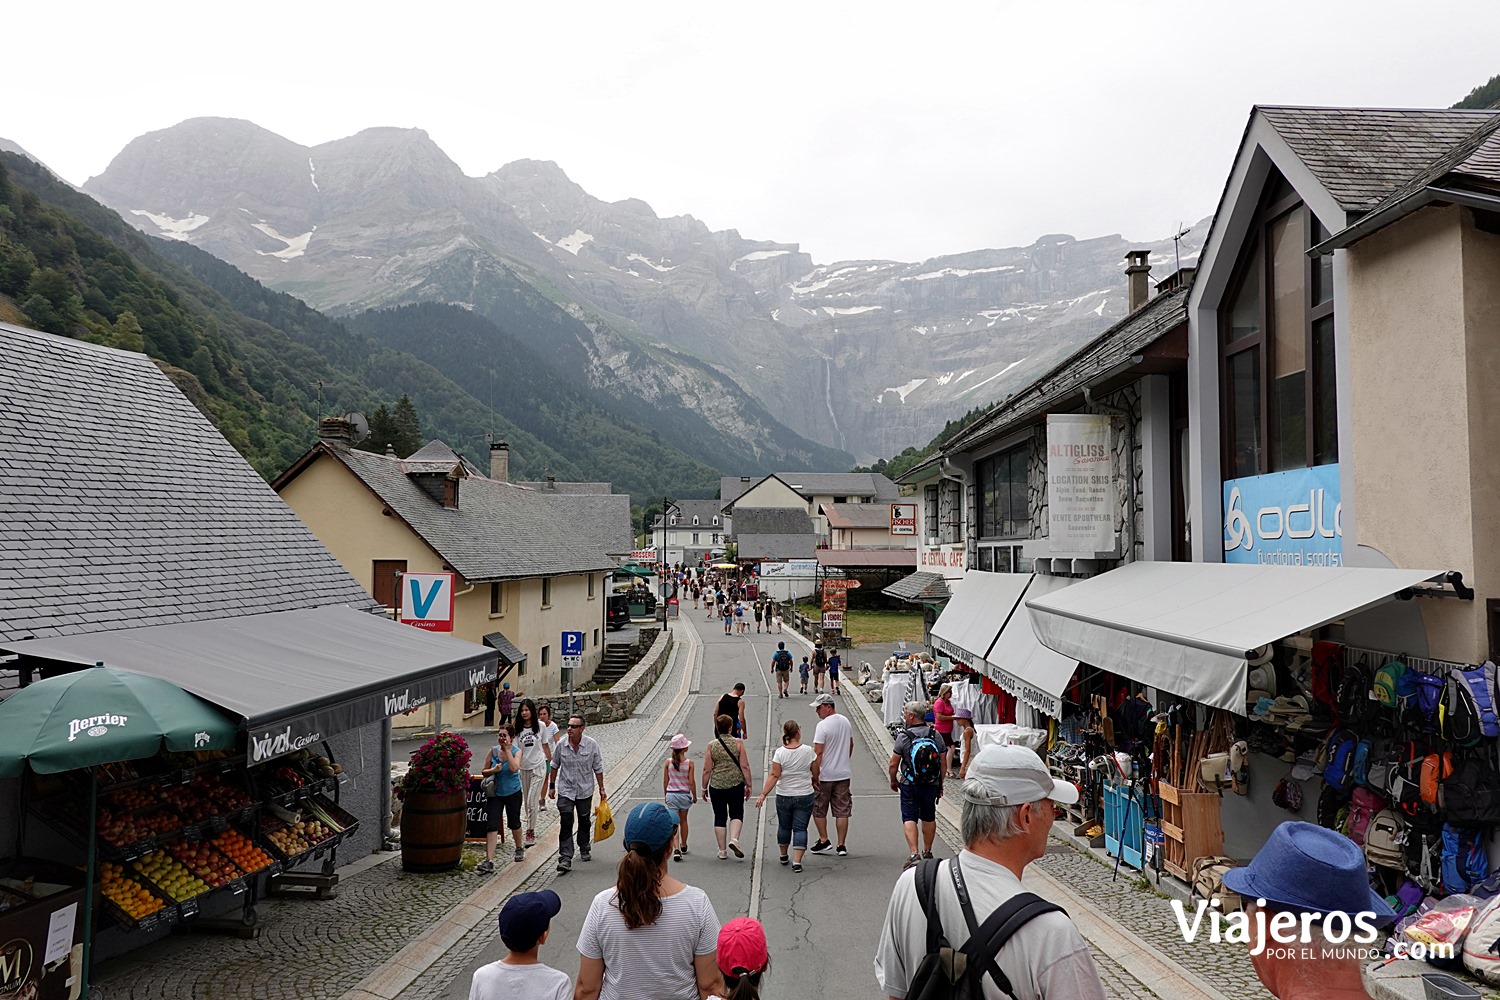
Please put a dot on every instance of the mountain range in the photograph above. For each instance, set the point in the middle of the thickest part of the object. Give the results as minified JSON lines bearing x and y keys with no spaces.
{"x":745,"y":354}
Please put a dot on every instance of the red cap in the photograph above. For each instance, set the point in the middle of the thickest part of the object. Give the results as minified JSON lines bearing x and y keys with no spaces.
{"x":742,"y":947}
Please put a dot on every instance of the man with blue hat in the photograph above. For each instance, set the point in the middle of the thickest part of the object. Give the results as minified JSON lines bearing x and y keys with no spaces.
{"x":1312,"y":913}
{"x":524,"y":921}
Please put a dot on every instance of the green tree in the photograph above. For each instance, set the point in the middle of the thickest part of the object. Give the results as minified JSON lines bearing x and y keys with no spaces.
{"x":407,"y":425}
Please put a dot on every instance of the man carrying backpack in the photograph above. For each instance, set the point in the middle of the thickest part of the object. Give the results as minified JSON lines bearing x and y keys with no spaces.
{"x":916,"y":771}
{"x":1007,"y":816}
{"x":781,"y":666}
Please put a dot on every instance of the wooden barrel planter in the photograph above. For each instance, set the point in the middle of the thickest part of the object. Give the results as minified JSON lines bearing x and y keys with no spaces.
{"x":432,"y":830}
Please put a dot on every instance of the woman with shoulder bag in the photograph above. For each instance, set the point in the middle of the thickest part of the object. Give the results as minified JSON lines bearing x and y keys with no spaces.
{"x":794,"y":775}
{"x":726,"y":782}
{"x":536,"y":757}
{"x":502,"y":771}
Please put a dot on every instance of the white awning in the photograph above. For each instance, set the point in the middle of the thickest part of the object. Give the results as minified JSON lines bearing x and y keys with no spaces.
{"x":980,"y":604}
{"x":1021,"y":665}
{"x":1188,"y":628}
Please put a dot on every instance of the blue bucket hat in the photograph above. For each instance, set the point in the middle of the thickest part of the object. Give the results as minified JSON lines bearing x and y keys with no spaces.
{"x":1311,"y":869}
{"x":652,"y":824}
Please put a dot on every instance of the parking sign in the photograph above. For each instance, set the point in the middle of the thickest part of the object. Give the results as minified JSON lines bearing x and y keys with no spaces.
{"x":572,"y":644}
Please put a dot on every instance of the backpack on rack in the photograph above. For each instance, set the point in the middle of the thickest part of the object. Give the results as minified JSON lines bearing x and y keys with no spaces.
{"x":1469,"y":706}
{"x":1406,"y":780}
{"x":1471,"y":794}
{"x":1363,"y":806}
{"x":1436,"y":769}
{"x":1385,"y":758}
{"x":1333,"y":808}
{"x":924,"y":761}
{"x":1482,"y":943}
{"x":1327,"y":674}
{"x":1383,"y":840}
{"x":1208,"y":882}
{"x":1390,"y":680}
{"x":948,"y":973}
{"x":1354,"y":705}
{"x":1464,"y":862}
{"x":1429,"y":702}
{"x":1361,"y":767}
{"x":1338,"y":772}
{"x":1423,"y":852}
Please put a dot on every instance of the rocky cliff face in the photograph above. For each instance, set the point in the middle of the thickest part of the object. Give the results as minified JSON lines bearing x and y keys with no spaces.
{"x":863,"y":356}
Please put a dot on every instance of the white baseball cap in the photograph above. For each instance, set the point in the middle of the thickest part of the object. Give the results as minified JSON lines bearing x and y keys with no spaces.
{"x":1011,"y":775}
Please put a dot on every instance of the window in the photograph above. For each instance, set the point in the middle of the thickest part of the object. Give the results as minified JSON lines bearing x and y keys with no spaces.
{"x":385,"y":577}
{"x":716,"y":520}
{"x":930,"y":511}
{"x":695,"y":538}
{"x":695,"y":520}
{"x":591,"y":586}
{"x":497,"y":599}
{"x":1277,"y":345}
{"x":546,"y":655}
{"x":1001,"y":497}
{"x":840,"y":499}
{"x":596,"y":638}
{"x":546,"y":594}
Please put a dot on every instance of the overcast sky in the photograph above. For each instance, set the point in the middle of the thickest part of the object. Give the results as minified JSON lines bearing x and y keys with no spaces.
{"x":885,"y":129}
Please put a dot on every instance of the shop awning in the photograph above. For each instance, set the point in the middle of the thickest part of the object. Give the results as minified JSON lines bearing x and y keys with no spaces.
{"x":980,"y":604}
{"x":919,"y":588}
{"x":1188,"y":628}
{"x":1021,"y":665}
{"x":293,"y":677}
{"x":510,"y":654}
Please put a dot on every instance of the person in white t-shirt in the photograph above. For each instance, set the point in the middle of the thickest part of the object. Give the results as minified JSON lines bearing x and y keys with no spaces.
{"x":524,"y":921}
{"x":550,"y":735}
{"x":1007,"y":816}
{"x":536,"y":757}
{"x":833,"y":742}
{"x":649,"y":936}
{"x":794,"y":775}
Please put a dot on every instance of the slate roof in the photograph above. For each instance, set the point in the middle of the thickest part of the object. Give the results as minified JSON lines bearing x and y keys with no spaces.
{"x":498,"y":531}
{"x":772,"y":521}
{"x":704,"y":510}
{"x":920,"y":588}
{"x":775,"y":548}
{"x":573,"y":488}
{"x":1362,"y":155}
{"x":121,"y":506}
{"x":510,"y":653}
{"x":1109,"y":350}
{"x":810,"y":484}
{"x":857,"y":515}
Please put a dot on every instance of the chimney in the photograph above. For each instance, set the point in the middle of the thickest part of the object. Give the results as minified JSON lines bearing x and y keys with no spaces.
{"x":500,"y":461}
{"x":1137,"y":270}
{"x":1180,"y":278}
{"x":390,"y":450}
{"x":336,"y":431}
{"x":551,"y":482}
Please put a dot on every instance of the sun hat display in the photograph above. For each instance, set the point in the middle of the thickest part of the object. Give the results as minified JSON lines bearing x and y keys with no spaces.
{"x":680,"y":742}
{"x":742,"y":948}
{"x":1308,"y":868}
{"x":1011,"y":775}
{"x":1261,"y":655}
{"x":652,"y":824}
{"x":1262,"y":679}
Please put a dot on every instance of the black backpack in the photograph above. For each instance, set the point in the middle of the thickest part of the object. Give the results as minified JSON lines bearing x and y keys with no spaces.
{"x":1471,"y":794}
{"x":946,"y":972}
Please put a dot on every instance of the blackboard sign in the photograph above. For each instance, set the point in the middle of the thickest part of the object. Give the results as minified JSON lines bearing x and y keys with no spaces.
{"x":479,"y":816}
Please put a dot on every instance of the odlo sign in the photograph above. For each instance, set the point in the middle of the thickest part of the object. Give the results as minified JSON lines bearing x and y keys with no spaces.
{"x":95,"y":725}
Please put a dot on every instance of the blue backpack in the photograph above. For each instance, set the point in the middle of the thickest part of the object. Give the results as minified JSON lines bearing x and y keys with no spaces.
{"x":1363,"y":750}
{"x":1338,"y":772}
{"x":1468,"y":713}
{"x":924,"y":761}
{"x":1429,"y":700}
{"x":1465,"y":863}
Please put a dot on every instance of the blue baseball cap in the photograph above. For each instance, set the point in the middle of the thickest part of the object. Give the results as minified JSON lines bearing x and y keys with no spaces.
{"x":526,"y":916}
{"x":1310,"y":869}
{"x":652,"y":824}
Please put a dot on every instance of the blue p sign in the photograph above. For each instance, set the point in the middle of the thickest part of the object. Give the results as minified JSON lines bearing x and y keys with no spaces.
{"x":572,"y":644}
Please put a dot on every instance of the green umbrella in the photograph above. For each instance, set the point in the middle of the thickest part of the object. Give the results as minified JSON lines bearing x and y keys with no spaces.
{"x":101,"y":716}
{"x":634,"y":569}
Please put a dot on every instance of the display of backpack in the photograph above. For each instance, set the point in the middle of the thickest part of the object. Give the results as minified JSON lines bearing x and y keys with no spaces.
{"x":1327,"y":675}
{"x":948,"y":972}
{"x":1429,"y":702}
{"x":1482,"y":944}
{"x":1333,"y":807}
{"x":1471,"y":794}
{"x":1389,"y":682}
{"x":1354,"y":704}
{"x":1406,"y":781}
{"x":1464,"y":862}
{"x":1383,"y":840}
{"x":1385,"y":757}
{"x":1362,"y":751}
{"x":1363,"y":806}
{"x":1423,"y":852}
{"x":1338,"y":772}
{"x":1208,"y":882}
{"x":924,"y":761}
{"x":1469,"y":706}
{"x":1436,"y":769}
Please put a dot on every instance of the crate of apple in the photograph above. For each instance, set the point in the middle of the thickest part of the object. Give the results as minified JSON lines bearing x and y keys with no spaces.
{"x":120,"y":829}
{"x":204,"y":862}
{"x":132,"y":799}
{"x":193,"y":807}
{"x":169,"y":875}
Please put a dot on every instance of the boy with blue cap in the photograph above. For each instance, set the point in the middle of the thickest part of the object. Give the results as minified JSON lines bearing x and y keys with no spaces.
{"x":524,"y":921}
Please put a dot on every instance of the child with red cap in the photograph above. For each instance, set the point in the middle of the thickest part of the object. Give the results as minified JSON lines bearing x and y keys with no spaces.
{"x":742,"y":957}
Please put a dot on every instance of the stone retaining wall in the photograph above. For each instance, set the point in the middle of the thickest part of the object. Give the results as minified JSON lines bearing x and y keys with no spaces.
{"x":618,"y":702}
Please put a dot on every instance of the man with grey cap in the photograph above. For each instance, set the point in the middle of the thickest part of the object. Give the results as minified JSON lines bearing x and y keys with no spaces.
{"x":1007,"y":809}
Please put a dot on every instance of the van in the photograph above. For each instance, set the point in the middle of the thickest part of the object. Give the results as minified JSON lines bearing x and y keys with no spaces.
{"x":618,"y":614}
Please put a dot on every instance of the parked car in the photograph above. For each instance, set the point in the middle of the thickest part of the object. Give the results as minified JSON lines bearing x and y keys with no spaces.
{"x":618,"y":615}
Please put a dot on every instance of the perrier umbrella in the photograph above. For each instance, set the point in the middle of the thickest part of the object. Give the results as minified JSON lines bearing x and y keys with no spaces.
{"x":101,"y":716}
{"x":633,"y":569}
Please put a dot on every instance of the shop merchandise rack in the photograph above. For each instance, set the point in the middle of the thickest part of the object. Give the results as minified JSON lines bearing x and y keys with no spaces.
{"x":1190,"y":826}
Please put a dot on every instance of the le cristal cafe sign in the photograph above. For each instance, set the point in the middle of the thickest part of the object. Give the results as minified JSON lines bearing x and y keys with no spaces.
{"x":1292,"y":518}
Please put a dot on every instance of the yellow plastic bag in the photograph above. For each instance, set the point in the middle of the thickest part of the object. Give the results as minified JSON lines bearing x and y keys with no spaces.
{"x":604,"y":823}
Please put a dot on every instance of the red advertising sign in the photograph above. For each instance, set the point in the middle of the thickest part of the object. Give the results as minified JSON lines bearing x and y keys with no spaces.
{"x":903,"y":519}
{"x":841,"y":583}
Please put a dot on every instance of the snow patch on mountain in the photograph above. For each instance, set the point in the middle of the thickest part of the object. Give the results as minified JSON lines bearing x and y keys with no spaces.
{"x":312,"y":174}
{"x":849,"y":311}
{"x":172,"y":229}
{"x":296,"y":246}
{"x":976,"y":385}
{"x":903,"y":390}
{"x":647,"y":261}
{"x":958,"y":272}
{"x":756,"y":255}
{"x":574,"y":242}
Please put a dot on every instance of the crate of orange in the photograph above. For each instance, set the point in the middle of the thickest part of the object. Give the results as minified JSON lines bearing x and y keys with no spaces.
{"x":130,"y":902}
{"x":242,"y":851}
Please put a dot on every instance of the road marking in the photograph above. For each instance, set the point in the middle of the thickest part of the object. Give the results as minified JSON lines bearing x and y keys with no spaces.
{"x":758,"y":862}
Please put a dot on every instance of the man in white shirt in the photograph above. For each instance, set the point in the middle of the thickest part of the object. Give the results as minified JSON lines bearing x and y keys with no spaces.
{"x":833,"y":742}
{"x":1007,"y":814}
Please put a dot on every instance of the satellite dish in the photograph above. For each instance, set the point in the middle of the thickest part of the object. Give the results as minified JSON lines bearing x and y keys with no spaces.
{"x":360,"y":423}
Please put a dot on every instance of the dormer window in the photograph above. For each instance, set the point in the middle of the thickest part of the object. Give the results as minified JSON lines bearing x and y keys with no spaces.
{"x":716,"y":519}
{"x":450,"y":492}
{"x":695,"y":520}
{"x":673,"y":520}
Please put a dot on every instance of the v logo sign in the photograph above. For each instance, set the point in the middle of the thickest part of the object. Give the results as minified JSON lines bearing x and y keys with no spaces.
{"x":422,"y":605}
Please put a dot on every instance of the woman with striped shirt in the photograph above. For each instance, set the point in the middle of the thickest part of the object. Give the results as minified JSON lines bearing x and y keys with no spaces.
{"x":679,"y":789}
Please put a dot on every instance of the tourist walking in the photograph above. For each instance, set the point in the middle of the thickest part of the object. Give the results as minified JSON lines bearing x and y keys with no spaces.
{"x":781,"y":666}
{"x":536,"y":754}
{"x":739,"y":617}
{"x":506,"y":703}
{"x":833,"y":742}
{"x":942,"y":723}
{"x":1006,"y":818}
{"x":916,"y":771}
{"x":580,"y":766}
{"x":550,"y":734}
{"x":649,"y":936}
{"x":726,"y":782}
{"x":679,"y":789}
{"x":819,"y":666}
{"x":728,"y":620}
{"x":835,"y":662}
{"x":708,"y":603}
{"x":742,"y":958}
{"x":794,"y":775}
{"x":733,"y":705}
{"x":760,"y":610}
{"x":525,"y":920}
{"x":803,"y":670}
{"x":504,"y":763}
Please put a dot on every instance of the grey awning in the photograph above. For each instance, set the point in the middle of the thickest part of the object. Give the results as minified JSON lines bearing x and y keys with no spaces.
{"x":920,"y":588}
{"x":510,"y":654}
{"x":980,"y":605}
{"x":293,"y":677}
{"x":1188,"y":628}
{"x":1021,"y":665}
